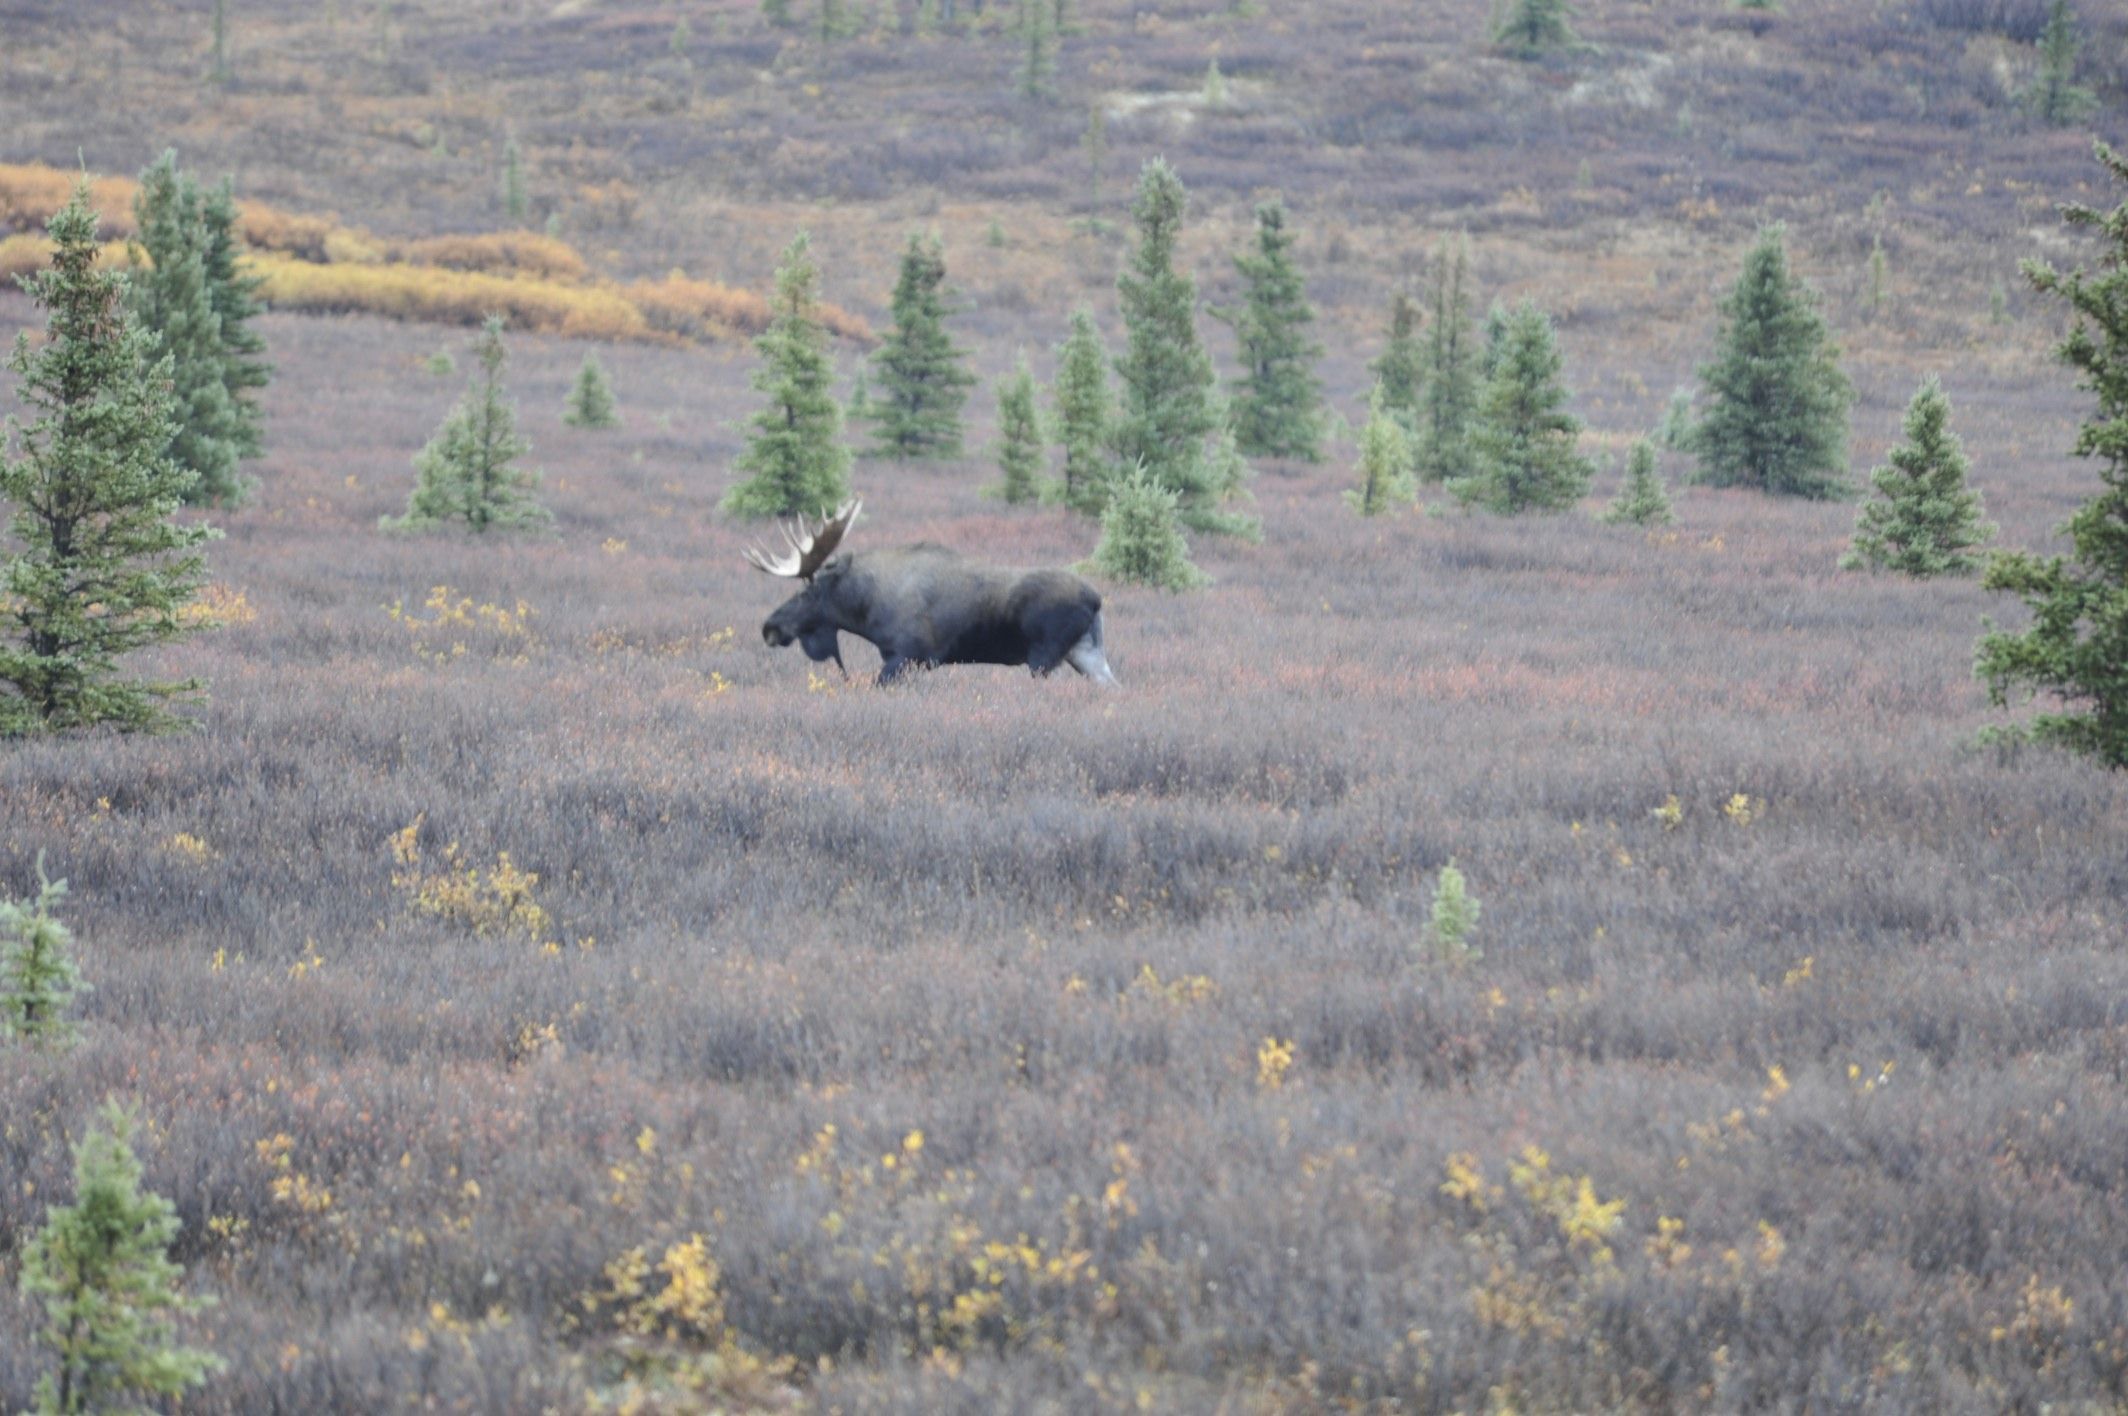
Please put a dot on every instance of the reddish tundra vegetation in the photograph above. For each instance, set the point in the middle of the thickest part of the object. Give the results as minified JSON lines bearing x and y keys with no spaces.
{"x":539,"y":994}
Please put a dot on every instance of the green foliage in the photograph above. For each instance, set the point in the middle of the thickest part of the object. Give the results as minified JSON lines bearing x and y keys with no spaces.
{"x":1084,"y":414}
{"x":2054,"y":96}
{"x":2077,"y":645}
{"x":778,"y":13}
{"x":1166,"y":406}
{"x":923,"y":376}
{"x":1385,"y":461}
{"x":1277,"y":402}
{"x":1450,"y":922}
{"x":236,"y":302}
{"x":1094,"y":143}
{"x":1215,"y":86}
{"x":1926,"y":521}
{"x":1450,"y":406}
{"x":1491,"y":341}
{"x":441,"y":364}
{"x":1019,"y":436}
{"x":1675,"y":430}
{"x":1531,"y":27}
{"x":1037,"y":76}
{"x":218,"y":70}
{"x":1141,"y":538}
{"x":37,"y":977}
{"x":99,"y":568}
{"x":1525,"y":441}
{"x":794,"y":453}
{"x":1777,"y":402}
{"x":1400,"y":372}
{"x":591,"y":398}
{"x":101,"y":1269}
{"x":1879,"y":277}
{"x":172,"y":301}
{"x":514,"y":204}
{"x":466,"y":474}
{"x":1642,"y":501}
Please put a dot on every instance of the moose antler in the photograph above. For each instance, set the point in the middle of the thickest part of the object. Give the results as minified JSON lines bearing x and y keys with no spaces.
{"x":808,"y":550}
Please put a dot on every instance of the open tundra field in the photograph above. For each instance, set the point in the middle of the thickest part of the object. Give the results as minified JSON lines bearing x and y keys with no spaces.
{"x":539,"y":994}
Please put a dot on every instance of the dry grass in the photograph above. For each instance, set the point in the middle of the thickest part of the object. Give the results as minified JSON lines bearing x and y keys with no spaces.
{"x":1842,"y":1052}
{"x":984,"y":1044}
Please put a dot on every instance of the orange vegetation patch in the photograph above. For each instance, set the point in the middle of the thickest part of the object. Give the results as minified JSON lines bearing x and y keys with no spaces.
{"x":315,"y":264}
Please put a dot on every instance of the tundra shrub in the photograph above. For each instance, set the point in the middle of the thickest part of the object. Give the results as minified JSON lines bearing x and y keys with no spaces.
{"x":37,"y":978}
{"x":1141,"y":538}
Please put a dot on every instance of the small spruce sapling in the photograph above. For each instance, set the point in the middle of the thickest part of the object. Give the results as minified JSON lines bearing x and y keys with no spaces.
{"x":37,"y":974}
{"x":1141,"y":537}
{"x":591,"y":398}
{"x":1526,"y":439}
{"x":467,"y":474}
{"x":794,"y":456}
{"x":1642,"y":501}
{"x":1453,"y":916}
{"x":101,"y":1269}
{"x":1385,"y":461}
{"x":1925,"y":520}
{"x":1085,"y":412}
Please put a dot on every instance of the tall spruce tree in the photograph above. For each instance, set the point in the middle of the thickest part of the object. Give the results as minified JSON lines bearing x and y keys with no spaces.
{"x":1084,"y":414}
{"x":1400,"y":372}
{"x":1019,"y":451}
{"x":590,"y":403}
{"x":1450,"y":406}
{"x":1037,"y":74}
{"x":37,"y":974}
{"x":172,"y":299}
{"x":1166,"y":407}
{"x":1385,"y":460}
{"x":1642,"y":501}
{"x":100,"y":568}
{"x":922,"y":376}
{"x":467,"y":474}
{"x":1925,"y":521}
{"x":1532,"y":27}
{"x":794,"y":455}
{"x":1776,"y":405}
{"x":1276,"y":409}
{"x":2076,"y":649}
{"x":101,"y":1268}
{"x":1525,"y":443}
{"x":236,"y":302}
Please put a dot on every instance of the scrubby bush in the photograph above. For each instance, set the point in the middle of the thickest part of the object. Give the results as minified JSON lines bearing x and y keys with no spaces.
{"x":1642,"y":501}
{"x":1141,"y":536}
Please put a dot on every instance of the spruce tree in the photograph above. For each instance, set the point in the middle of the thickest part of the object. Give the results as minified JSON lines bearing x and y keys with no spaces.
{"x":1776,"y":402}
{"x":1084,"y":414}
{"x":513,"y":182}
{"x":1927,"y":521}
{"x":236,"y":302}
{"x":2054,"y":95}
{"x":1642,"y":501}
{"x":1675,"y":430}
{"x":1531,"y":27}
{"x":2077,"y":646}
{"x":101,"y":1269}
{"x":1019,"y":436}
{"x":1525,"y":442}
{"x":1450,"y":405}
{"x":922,"y":375}
{"x":794,"y":453}
{"x":1141,"y":538}
{"x":171,"y":298}
{"x":1491,"y":341}
{"x":37,"y":977}
{"x":466,"y":475}
{"x":1276,"y":408}
{"x":99,"y":568}
{"x":1037,"y":76}
{"x":591,"y":398}
{"x":1385,"y":460}
{"x":1400,"y":372}
{"x":1166,"y":405}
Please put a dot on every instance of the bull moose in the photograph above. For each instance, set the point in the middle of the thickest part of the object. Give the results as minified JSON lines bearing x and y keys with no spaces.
{"x":925,"y":604}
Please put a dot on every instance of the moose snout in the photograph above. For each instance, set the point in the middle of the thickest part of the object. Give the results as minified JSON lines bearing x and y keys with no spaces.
{"x":774,"y":635}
